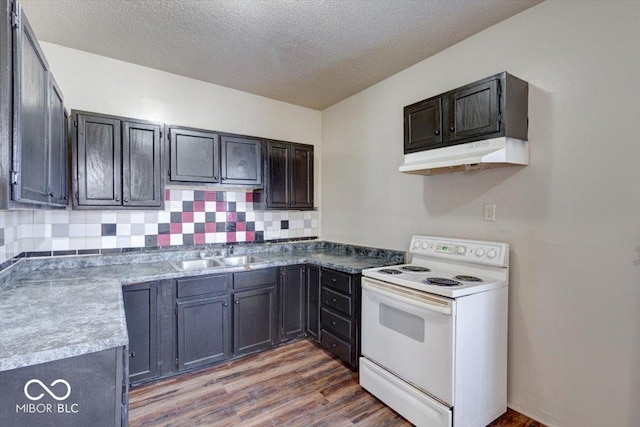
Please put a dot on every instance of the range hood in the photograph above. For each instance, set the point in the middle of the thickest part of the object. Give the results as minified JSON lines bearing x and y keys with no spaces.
{"x":485,"y":154}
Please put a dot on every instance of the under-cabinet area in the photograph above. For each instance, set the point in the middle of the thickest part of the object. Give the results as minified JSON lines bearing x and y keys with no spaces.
{"x":191,"y":322}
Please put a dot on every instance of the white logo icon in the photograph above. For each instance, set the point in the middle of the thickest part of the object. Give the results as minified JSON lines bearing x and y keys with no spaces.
{"x":41,"y":384}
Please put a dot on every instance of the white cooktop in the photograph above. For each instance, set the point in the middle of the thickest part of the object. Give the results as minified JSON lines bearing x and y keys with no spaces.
{"x":447,"y":258}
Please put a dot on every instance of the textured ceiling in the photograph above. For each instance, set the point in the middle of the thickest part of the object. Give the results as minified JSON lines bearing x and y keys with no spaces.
{"x":311,"y":53}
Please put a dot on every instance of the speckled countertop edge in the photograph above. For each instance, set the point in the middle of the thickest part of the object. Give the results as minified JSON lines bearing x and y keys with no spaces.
{"x":106,"y":274}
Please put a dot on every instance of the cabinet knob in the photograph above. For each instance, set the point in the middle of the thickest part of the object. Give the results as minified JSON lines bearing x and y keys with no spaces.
{"x":437,"y":132}
{"x":293,"y":203}
{"x":237,"y":302}
{"x":215,"y":177}
{"x":334,"y":300}
{"x":132,"y":354}
{"x":333,"y":323}
{"x":225,"y":304}
{"x":126,"y":200}
{"x":452,"y":129}
{"x":334,"y":280}
{"x":334,"y":345}
{"x":51,"y":195}
{"x":117,"y":198}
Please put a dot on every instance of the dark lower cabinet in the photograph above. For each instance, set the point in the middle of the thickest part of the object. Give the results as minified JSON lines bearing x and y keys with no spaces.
{"x":312,"y":305}
{"x":292,"y":299}
{"x":254,"y":314}
{"x":140,"y":306}
{"x":340,"y":314}
{"x":203,"y":331}
{"x":36,"y":395}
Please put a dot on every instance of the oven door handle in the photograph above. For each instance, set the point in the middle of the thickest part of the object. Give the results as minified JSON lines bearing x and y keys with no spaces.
{"x":395,"y":292}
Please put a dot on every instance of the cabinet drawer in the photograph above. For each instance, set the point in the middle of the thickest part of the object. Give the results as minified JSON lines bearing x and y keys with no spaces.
{"x":335,"y":345}
{"x":336,"y":323}
{"x":338,"y":281}
{"x":203,"y":285}
{"x":251,"y":279}
{"x":337,"y":301}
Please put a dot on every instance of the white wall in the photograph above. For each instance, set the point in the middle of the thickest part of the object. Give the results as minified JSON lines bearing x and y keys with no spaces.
{"x":96,"y":83}
{"x":572,"y":217}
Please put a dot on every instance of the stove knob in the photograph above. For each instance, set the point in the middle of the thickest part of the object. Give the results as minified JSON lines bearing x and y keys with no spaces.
{"x":425,"y":245}
{"x":492,"y":253}
{"x":480,"y":252}
{"x":416,"y":244}
{"x":461,"y":250}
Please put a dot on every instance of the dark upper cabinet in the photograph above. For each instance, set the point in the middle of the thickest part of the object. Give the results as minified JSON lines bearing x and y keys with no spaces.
{"x":38,"y":169}
{"x":423,"y":125}
{"x":492,"y":107}
{"x":141,"y":165}
{"x":241,"y":160}
{"x":195,"y":155}
{"x":140,"y":306}
{"x":116,"y":162}
{"x":98,"y":161}
{"x":312,"y":305}
{"x":59,"y":152}
{"x":279,"y":175}
{"x":209,"y":157}
{"x":474,"y":110}
{"x":301,"y":176}
{"x":289,"y":183}
{"x":203,"y":331}
{"x":292,"y":299}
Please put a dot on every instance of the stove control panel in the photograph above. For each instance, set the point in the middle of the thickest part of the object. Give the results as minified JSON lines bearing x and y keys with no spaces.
{"x":475,"y":251}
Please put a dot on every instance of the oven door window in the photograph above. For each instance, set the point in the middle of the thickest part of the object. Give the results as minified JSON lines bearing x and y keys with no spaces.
{"x":410,"y":338}
{"x":402,"y":322}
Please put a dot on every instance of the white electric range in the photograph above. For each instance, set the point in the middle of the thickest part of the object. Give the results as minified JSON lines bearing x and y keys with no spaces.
{"x":434,"y":332}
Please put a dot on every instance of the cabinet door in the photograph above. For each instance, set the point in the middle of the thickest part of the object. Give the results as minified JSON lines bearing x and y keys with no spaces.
{"x":141,"y":165}
{"x":195,"y":156}
{"x":279,"y":175}
{"x":474,"y":110}
{"x":58,"y":160}
{"x":254,"y":319}
{"x":312,"y":305}
{"x":31,"y":125}
{"x":292,"y":311}
{"x":203,"y":331}
{"x":140,"y":307}
{"x":301,"y":176}
{"x":423,"y":125}
{"x":98,"y":161}
{"x":241,"y":161}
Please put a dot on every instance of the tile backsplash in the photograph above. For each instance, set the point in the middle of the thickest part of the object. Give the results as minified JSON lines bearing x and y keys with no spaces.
{"x":190,"y":217}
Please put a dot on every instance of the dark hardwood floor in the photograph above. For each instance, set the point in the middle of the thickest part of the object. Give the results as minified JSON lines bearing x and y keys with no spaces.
{"x":297,"y":384}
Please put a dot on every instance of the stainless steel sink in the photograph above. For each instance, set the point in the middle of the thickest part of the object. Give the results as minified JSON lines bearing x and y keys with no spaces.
{"x":196,"y":264}
{"x":241,"y":260}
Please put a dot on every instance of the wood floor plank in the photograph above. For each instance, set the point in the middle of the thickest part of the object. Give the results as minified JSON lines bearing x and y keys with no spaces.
{"x":297,"y":384}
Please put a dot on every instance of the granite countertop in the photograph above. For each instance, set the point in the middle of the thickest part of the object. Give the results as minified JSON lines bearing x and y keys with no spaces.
{"x":53,"y":308}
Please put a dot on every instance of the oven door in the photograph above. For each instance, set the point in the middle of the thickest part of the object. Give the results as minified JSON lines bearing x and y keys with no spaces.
{"x":411,"y":334}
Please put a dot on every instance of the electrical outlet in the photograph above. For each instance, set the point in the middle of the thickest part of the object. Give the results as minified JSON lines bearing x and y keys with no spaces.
{"x":489,"y":212}
{"x":273,"y":233}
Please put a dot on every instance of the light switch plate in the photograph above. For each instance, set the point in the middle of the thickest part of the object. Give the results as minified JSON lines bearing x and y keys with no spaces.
{"x":489,"y":212}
